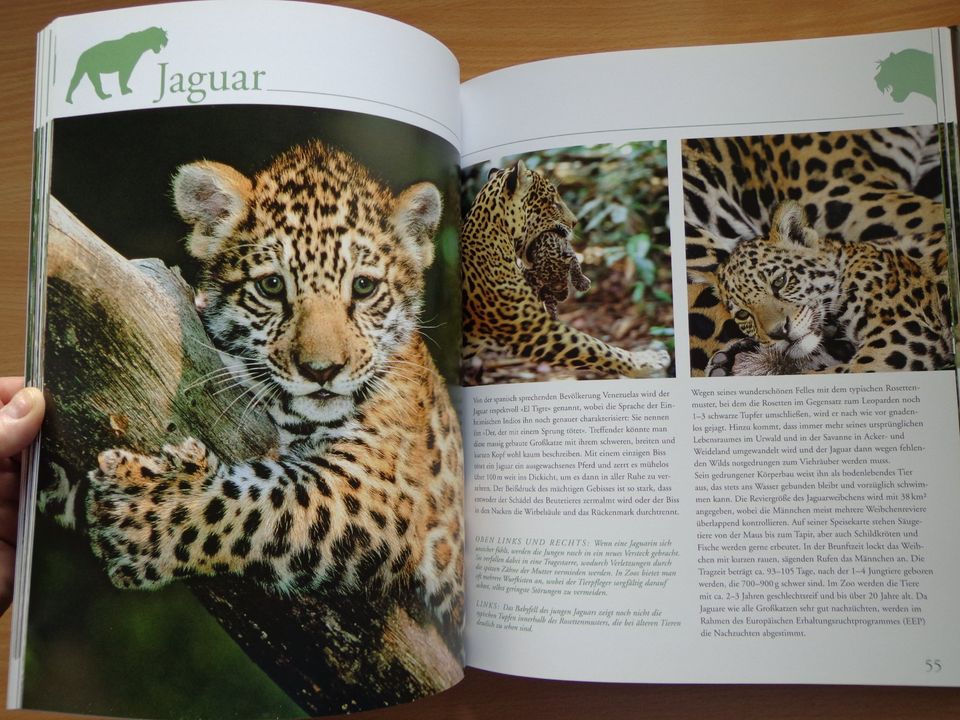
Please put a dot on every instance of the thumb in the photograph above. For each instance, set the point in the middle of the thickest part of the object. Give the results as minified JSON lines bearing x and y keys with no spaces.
{"x":20,"y":421}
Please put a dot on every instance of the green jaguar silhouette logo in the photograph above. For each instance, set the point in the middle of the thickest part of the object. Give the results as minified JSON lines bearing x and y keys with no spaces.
{"x":905,"y":72}
{"x":115,"y":56}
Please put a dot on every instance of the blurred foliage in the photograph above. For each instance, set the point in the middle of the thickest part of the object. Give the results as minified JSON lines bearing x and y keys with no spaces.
{"x":619,"y":194}
{"x":94,"y":649}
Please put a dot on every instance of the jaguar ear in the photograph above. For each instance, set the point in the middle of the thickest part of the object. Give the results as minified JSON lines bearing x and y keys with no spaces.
{"x":790,"y":226}
{"x":416,"y":217}
{"x":701,"y":276}
{"x":519,"y":179}
{"x":212,"y":197}
{"x":706,"y":252}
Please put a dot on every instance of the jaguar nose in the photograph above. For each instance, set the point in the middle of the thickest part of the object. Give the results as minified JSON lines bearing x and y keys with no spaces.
{"x":781,"y":331}
{"x":320,"y":373}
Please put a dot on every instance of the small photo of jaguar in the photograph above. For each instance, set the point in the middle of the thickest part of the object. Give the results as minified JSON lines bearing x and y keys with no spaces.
{"x":566,"y":266}
{"x":817,"y":253}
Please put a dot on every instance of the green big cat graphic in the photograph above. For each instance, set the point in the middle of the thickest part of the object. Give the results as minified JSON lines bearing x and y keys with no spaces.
{"x":905,"y":72}
{"x":115,"y":56}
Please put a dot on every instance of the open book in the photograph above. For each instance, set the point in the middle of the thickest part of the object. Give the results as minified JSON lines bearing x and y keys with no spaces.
{"x":632,"y":367}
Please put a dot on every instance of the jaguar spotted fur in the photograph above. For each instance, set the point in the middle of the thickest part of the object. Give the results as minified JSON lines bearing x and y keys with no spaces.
{"x":854,"y":186}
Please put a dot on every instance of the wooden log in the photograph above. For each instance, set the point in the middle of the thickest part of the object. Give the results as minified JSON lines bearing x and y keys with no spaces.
{"x":126,"y":359}
{"x":129,"y":355}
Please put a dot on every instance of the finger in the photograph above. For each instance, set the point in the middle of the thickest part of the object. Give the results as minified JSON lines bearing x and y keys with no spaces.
{"x":20,"y":421}
{"x":9,"y":480}
{"x":7,"y":559}
{"x":8,"y":523}
{"x":9,"y":387}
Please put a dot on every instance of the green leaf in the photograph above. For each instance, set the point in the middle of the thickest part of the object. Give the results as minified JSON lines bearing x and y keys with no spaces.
{"x":660,"y":331}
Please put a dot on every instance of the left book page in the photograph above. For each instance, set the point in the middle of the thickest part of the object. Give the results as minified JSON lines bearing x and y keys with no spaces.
{"x":246,"y":500}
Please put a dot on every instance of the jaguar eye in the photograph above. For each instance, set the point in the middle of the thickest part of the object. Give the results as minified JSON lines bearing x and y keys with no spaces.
{"x":270,"y":286}
{"x":363,"y":286}
{"x":778,"y":282}
{"x":742,"y":315}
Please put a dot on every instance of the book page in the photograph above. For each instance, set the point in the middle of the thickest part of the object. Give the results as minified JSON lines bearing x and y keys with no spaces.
{"x":248,"y":496}
{"x":711,"y":423}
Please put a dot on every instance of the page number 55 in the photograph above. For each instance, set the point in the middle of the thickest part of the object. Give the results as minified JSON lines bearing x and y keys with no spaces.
{"x":933,"y":666}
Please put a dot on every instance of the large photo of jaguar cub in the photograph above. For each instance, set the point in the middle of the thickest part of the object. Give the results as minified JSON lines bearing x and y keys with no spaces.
{"x":817,"y":253}
{"x":322,"y":570}
{"x":566,"y":265}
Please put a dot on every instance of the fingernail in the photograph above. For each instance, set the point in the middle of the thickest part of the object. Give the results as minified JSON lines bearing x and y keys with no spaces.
{"x":19,"y":406}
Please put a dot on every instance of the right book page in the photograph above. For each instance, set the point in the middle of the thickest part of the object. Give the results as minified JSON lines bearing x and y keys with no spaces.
{"x":710,"y":404}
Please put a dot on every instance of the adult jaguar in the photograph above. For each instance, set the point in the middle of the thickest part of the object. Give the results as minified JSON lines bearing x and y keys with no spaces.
{"x":793,"y":293}
{"x":501,"y":310}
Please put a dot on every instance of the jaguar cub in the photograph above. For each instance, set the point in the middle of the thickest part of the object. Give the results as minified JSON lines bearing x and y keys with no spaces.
{"x":312,"y":277}
{"x":799,"y":297}
{"x":550,"y":266}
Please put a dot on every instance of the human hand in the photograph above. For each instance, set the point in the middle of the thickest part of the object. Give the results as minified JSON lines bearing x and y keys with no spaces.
{"x":21,"y":410}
